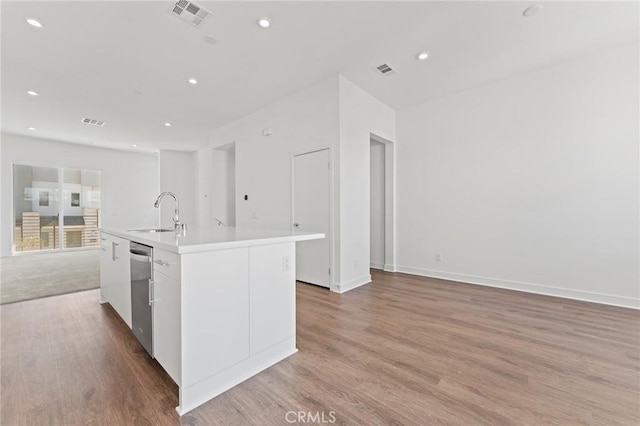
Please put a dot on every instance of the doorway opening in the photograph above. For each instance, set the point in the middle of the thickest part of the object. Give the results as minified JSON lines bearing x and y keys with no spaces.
{"x":382,"y":202}
{"x":377,"y":200}
{"x":223,"y":194}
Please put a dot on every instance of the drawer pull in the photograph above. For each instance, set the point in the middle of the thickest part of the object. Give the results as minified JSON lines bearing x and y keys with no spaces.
{"x":161,"y":262}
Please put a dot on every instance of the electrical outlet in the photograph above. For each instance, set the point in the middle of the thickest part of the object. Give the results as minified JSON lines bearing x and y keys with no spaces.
{"x":438,"y":257}
{"x":286,"y":263}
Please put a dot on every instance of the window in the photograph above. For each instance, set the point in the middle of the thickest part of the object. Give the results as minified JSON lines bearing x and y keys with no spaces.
{"x":75,"y":199}
{"x":44,"y":199}
{"x":55,"y":208}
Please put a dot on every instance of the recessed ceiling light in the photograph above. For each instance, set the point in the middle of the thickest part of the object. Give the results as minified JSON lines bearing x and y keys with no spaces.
{"x":134,"y":145}
{"x":32,"y":93}
{"x":34,"y":22}
{"x":264,"y":22}
{"x":31,"y":128}
{"x":422,"y":56}
{"x":167,"y":124}
{"x":193,"y":81}
{"x":532,"y":10}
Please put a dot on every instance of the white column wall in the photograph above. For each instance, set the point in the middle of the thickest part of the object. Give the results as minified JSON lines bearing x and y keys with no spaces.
{"x":360,"y":115}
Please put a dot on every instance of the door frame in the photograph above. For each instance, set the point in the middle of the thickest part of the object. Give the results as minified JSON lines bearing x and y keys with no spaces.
{"x":389,"y":202}
{"x":332,"y":215}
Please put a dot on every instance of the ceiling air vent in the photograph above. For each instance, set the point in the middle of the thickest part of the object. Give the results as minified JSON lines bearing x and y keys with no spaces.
{"x":93,"y":122}
{"x":189,"y":12}
{"x":385,"y":69}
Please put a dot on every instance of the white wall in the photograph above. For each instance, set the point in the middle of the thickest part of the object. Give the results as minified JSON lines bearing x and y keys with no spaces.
{"x":304,"y":121}
{"x":129,"y":179}
{"x":178,"y":174}
{"x":360,"y":115}
{"x":377,"y":226}
{"x":336,"y":114}
{"x":530,"y":183}
{"x":4,"y":196}
{"x":204,"y":159}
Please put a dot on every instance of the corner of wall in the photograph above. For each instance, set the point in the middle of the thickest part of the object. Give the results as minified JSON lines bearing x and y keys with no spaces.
{"x":352,"y":284}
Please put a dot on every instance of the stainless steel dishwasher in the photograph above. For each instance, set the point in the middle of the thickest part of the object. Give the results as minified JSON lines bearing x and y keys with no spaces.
{"x":141,"y":314}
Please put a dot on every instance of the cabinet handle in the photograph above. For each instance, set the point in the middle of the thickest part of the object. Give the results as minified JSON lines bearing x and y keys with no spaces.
{"x":114,"y":253}
{"x":103,"y":248}
{"x":161,"y":262}
{"x":152,"y":294}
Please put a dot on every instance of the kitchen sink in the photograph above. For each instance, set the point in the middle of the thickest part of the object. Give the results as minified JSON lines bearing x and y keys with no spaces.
{"x":147,"y":231}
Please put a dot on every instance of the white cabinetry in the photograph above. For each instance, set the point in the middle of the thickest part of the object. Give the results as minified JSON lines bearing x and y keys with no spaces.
{"x":166,"y":312}
{"x":223,"y":302}
{"x":272,"y":298}
{"x":238,"y":317}
{"x":115,"y":282}
{"x":106,"y":269}
{"x":215,"y":317}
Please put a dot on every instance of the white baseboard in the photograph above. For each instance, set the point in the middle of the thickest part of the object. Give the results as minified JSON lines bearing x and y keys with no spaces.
{"x":382,"y":266}
{"x":376,"y":265}
{"x":350,"y":285}
{"x":198,"y":393}
{"x":606,"y":299}
{"x":390,"y":268}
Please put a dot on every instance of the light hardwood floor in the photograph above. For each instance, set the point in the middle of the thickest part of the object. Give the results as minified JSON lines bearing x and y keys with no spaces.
{"x":402,"y":350}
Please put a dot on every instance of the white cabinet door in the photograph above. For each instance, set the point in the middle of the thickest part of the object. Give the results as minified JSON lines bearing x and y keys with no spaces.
{"x":272,"y":298}
{"x":215,"y":316}
{"x":166,"y":324}
{"x":121,"y":289}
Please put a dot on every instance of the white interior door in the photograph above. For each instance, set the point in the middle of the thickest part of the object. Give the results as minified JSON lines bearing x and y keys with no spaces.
{"x":311,"y":213}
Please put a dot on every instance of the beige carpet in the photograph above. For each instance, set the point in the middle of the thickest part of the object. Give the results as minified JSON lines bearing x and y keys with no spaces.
{"x":39,"y":275}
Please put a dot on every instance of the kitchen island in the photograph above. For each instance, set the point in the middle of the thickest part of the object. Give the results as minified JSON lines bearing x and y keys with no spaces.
{"x":223,"y":301}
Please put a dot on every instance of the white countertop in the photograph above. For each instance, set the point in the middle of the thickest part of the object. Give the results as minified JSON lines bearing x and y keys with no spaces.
{"x":198,"y":239}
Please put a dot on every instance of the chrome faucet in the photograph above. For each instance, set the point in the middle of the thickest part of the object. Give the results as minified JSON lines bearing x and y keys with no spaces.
{"x":176,"y":218}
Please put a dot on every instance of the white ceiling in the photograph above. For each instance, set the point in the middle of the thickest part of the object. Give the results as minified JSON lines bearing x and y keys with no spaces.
{"x":92,"y":57}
